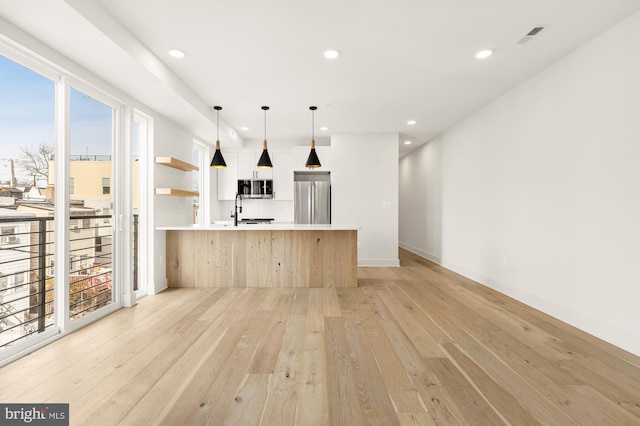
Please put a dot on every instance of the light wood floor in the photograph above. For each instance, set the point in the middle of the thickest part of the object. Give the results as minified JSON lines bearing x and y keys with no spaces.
{"x":415,"y":345}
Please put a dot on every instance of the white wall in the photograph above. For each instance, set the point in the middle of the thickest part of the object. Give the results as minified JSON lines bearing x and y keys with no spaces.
{"x":170,"y":140}
{"x":364,"y":193}
{"x":421,"y":189}
{"x":540,"y":190}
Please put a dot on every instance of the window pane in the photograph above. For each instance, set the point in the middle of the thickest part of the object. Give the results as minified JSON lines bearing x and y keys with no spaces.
{"x":90,"y":273}
{"x":106,"y":186}
{"x":27,"y":105}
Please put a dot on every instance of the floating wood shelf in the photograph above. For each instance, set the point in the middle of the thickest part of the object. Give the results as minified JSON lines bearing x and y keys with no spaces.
{"x":176,"y":164}
{"x":176,"y":192}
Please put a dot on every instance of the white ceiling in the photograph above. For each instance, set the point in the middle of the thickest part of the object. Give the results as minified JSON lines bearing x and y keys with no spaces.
{"x":400,"y":60}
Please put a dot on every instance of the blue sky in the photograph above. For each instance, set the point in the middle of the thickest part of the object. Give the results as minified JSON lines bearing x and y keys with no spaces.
{"x":27,"y":116}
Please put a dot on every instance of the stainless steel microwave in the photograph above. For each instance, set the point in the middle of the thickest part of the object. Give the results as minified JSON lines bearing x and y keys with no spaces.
{"x":255,"y":188}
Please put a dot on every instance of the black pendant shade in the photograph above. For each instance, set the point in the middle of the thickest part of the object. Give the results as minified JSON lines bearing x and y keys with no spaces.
{"x":265,"y":161}
{"x":218,"y":160}
{"x":313,"y":162}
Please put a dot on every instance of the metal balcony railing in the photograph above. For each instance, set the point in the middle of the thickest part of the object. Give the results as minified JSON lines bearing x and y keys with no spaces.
{"x":27,"y":272}
{"x":90,"y":269}
{"x":26,"y":291}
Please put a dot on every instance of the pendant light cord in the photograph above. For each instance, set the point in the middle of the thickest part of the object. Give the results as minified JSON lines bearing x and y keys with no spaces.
{"x":313,"y":125}
{"x":265,"y":109}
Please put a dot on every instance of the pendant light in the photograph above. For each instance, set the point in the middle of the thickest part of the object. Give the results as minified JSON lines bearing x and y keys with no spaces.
{"x":265,"y":161}
{"x":313,"y":162}
{"x":218,"y":160}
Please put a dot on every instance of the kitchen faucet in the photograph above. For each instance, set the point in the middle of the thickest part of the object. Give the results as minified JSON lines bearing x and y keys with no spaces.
{"x":235,"y":209}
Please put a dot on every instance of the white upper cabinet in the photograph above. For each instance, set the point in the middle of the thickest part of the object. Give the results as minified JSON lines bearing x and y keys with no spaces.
{"x":228,"y":177}
{"x":248,"y":166}
{"x":282,"y":175}
{"x":301,"y":153}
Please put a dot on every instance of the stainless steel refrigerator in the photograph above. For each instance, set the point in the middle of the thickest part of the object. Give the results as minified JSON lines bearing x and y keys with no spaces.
{"x":312,"y":197}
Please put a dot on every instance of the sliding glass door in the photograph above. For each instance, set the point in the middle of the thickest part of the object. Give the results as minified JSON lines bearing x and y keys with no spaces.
{"x":91,"y":158}
{"x":68,"y":203}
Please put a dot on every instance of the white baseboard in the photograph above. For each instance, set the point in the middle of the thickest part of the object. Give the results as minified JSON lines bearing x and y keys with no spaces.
{"x":607,"y":332}
{"x":378,"y":263}
{"x":421,"y":253}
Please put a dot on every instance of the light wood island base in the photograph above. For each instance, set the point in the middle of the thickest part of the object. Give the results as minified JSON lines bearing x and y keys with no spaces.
{"x":262,"y":258}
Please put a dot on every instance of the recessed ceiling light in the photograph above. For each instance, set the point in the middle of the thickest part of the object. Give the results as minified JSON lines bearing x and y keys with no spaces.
{"x":411,"y":122}
{"x":407,"y":142}
{"x":324,"y":129}
{"x":331,"y":54}
{"x":176,"y":53}
{"x":245,"y":128}
{"x":484,"y":54}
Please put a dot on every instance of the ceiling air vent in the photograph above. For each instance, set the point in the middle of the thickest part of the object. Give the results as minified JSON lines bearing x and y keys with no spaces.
{"x":535,"y":31}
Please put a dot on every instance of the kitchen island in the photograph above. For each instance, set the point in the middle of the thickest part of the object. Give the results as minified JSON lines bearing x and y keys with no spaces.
{"x":262,"y":255}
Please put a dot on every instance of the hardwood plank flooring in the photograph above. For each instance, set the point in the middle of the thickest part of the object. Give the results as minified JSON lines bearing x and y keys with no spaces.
{"x":415,"y":345}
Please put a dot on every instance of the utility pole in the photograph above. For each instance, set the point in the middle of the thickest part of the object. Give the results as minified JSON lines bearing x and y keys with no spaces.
{"x":13,"y":174}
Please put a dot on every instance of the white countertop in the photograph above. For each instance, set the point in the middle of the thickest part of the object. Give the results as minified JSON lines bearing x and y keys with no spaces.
{"x":259,"y":227}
